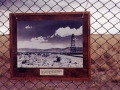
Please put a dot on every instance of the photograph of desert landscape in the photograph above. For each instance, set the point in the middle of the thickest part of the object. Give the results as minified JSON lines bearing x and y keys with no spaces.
{"x":49,"y":43}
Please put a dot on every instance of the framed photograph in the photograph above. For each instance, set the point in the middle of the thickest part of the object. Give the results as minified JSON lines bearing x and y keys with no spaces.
{"x":50,"y":46}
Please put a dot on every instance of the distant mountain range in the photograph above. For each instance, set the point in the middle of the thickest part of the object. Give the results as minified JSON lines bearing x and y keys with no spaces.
{"x":45,"y":50}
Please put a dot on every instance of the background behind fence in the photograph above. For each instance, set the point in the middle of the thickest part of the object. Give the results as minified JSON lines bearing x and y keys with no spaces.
{"x":105,"y":43}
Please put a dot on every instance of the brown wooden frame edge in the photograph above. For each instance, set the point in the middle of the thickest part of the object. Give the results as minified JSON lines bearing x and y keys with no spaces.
{"x":13,"y":18}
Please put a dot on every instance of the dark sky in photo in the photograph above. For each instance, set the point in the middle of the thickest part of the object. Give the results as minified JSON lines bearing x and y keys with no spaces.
{"x":43,"y":28}
{"x":57,"y":32}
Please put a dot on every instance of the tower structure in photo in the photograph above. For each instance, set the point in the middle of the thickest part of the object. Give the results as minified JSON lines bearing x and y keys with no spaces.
{"x":73,"y":47}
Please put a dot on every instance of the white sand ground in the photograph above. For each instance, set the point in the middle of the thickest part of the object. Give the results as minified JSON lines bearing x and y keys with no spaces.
{"x":38,"y":61}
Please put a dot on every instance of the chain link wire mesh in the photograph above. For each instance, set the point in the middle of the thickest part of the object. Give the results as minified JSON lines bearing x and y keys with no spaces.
{"x":105,"y":43}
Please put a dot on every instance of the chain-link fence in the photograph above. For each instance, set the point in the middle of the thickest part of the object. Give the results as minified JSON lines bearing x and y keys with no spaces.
{"x":105,"y":43}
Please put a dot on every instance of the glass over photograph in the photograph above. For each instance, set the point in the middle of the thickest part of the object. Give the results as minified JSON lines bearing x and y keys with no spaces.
{"x":50,"y":44}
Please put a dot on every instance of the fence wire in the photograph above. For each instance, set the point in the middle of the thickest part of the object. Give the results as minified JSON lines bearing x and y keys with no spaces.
{"x":105,"y":43}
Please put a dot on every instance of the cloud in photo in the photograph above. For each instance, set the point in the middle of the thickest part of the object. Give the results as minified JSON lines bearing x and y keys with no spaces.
{"x":28,"y":27}
{"x":38,"y":43}
{"x":63,"y":32}
{"x":39,"y":39}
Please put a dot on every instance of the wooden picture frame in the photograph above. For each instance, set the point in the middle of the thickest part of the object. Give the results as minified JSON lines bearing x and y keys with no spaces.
{"x":50,"y":46}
